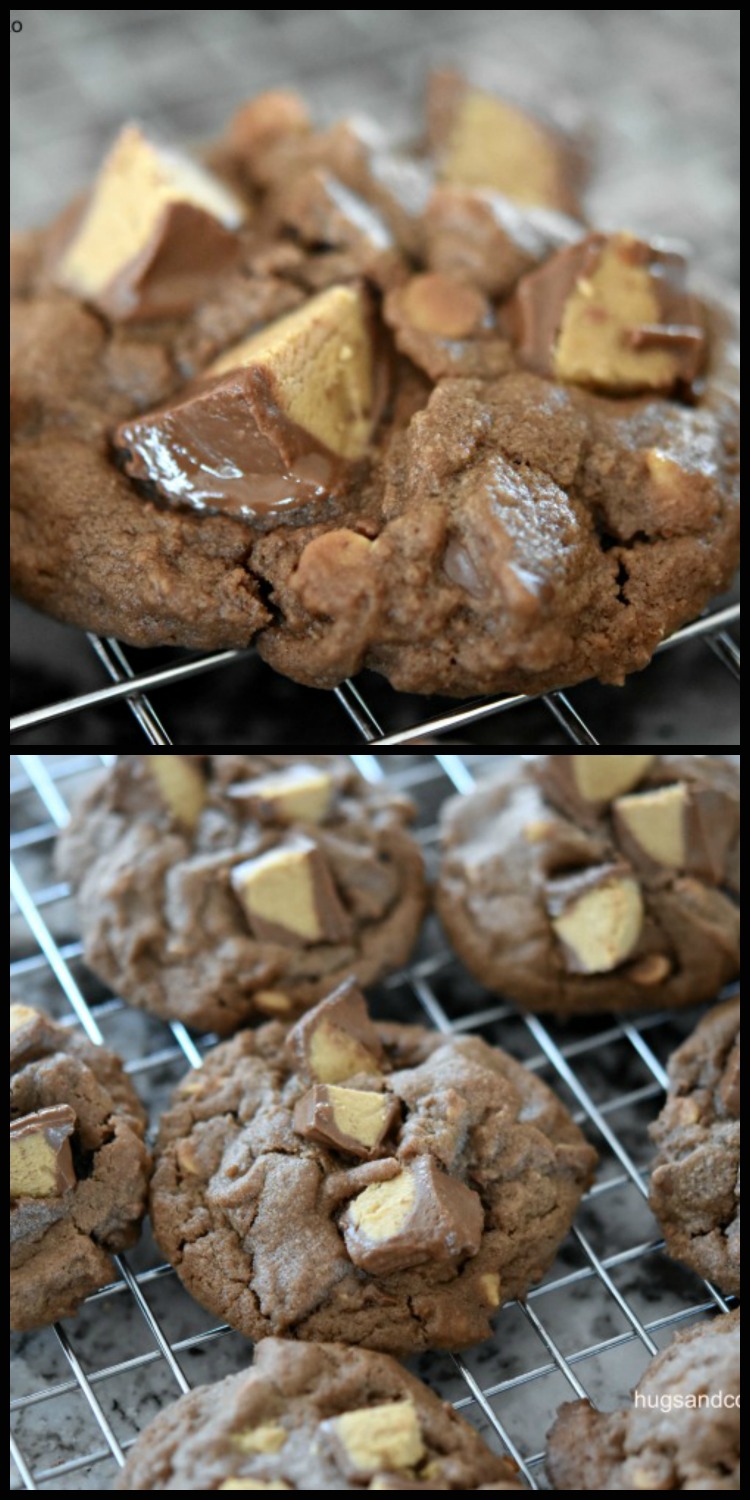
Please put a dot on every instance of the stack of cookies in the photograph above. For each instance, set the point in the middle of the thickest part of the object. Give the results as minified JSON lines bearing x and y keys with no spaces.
{"x":344,"y":1190}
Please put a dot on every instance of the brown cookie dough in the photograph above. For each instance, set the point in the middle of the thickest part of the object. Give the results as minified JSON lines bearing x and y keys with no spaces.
{"x":594,"y":882}
{"x":212,"y":888}
{"x":78,"y":1167}
{"x":514,"y":468}
{"x":695,"y":1178}
{"x":670,"y":1438}
{"x":378,"y":1183}
{"x":314,"y":1417}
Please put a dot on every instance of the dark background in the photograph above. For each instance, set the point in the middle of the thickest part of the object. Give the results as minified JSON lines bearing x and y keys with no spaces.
{"x":660,"y":90}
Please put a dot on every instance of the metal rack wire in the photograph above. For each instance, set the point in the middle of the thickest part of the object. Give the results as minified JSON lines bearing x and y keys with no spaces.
{"x":134,"y":688}
{"x":605,"y":1308}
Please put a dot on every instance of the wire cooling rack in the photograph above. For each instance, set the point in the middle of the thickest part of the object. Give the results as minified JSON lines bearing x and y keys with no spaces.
{"x":82,"y":1392}
{"x":134,"y":687}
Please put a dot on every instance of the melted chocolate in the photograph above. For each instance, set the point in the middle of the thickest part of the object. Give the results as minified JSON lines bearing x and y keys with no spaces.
{"x":225,"y":445}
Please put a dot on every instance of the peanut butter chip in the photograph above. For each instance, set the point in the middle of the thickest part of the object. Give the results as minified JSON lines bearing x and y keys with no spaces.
{"x":490,"y":1288}
{"x":650,"y":970}
{"x":434,"y":303}
{"x":269,"y":1437}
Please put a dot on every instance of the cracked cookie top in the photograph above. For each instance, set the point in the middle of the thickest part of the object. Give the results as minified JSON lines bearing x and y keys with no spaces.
{"x":377,"y":1183}
{"x":78,"y":1167}
{"x":314,"y":1416}
{"x":214,"y":887}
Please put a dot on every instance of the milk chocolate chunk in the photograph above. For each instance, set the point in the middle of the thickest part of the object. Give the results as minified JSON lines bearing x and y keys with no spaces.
{"x":336,"y":1040}
{"x":289,"y":896}
{"x":156,"y":234}
{"x":597,"y":916}
{"x":678,"y":827}
{"x":421,"y":1215}
{"x":324,"y":212}
{"x":41,"y":1163}
{"x":584,"y":785}
{"x":354,"y":1121}
{"x":480,"y":140}
{"x":486,"y":240}
{"x":273,"y":426}
{"x":298,"y":794}
{"x":365,"y":1441}
{"x":612,"y":313}
{"x":181,"y":784}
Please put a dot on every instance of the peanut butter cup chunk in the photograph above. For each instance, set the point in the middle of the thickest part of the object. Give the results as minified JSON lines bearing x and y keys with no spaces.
{"x":274,"y":424}
{"x":157,"y":230}
{"x":483,"y":141}
{"x":319,"y":365}
{"x":611,"y":312}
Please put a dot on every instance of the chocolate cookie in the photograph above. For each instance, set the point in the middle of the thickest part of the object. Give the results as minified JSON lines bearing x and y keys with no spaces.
{"x":214,"y":887}
{"x":314,"y":1417}
{"x":368,"y":408}
{"x":378,"y":1183}
{"x":78,"y":1167}
{"x":677,"y":1435}
{"x":695,"y":1178}
{"x":597,"y":882}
